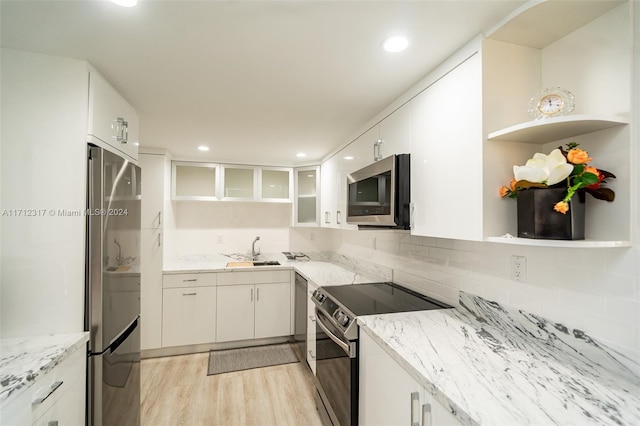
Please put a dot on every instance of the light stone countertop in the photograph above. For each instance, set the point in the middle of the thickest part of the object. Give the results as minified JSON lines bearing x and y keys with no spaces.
{"x":23,"y":360}
{"x":319,"y":271}
{"x":493,"y":366}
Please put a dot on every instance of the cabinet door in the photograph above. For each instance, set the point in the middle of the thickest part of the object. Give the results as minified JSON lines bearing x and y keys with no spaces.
{"x":395,"y":132}
{"x":151,"y":251}
{"x":386,"y":389}
{"x":239,"y":183}
{"x":364,"y":150}
{"x":446,"y":155}
{"x":275,"y":184}
{"x":235,"y":312}
{"x":152,"y":189}
{"x":111,"y":119}
{"x":328,"y":189}
{"x":273,"y":310}
{"x":307,"y":196}
{"x":188,"y":316}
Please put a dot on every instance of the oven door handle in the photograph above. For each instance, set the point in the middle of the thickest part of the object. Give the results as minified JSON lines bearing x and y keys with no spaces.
{"x":345,"y":346}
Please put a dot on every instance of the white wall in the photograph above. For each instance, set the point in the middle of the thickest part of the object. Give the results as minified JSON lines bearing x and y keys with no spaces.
{"x":44,"y":127}
{"x":202,"y":227}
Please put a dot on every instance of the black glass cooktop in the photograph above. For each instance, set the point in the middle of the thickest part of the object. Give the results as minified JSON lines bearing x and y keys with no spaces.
{"x":381,"y":298}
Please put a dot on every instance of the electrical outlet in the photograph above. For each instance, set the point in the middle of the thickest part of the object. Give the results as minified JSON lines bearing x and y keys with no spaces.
{"x":519,"y":269}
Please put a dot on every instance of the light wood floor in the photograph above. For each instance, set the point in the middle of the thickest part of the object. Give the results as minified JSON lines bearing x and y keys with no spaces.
{"x":177,"y":391}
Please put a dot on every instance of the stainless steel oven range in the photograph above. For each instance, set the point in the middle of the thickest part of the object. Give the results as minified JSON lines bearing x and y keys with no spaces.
{"x":337,"y":308}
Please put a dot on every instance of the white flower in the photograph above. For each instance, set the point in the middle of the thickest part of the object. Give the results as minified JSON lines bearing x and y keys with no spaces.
{"x":549,"y":169}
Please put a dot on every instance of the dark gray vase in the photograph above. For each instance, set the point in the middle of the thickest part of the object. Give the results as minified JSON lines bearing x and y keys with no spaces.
{"x":537,"y":219}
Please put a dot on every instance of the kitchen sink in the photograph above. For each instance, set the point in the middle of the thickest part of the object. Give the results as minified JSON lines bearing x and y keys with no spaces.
{"x":266,"y":263}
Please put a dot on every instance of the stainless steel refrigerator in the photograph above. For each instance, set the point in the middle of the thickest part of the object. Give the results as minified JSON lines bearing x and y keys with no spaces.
{"x":112,"y":306}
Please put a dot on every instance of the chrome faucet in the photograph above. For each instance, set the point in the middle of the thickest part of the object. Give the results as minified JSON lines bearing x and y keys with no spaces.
{"x":119,"y":258}
{"x":253,"y":249}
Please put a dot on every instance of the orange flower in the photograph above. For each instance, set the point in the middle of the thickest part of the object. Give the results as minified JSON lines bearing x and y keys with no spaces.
{"x":561,"y":207}
{"x":512,"y":185}
{"x":504,"y":191}
{"x":578,"y":156}
{"x":593,"y":170}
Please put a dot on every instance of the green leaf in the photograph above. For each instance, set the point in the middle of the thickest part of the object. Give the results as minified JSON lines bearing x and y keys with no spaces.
{"x":589,"y":178}
{"x":578,"y":169}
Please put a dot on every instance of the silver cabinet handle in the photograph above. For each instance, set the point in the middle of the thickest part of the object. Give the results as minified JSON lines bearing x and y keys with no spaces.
{"x":159,"y":218}
{"x":189,"y":294}
{"x":312,"y":318}
{"x":311,"y":354}
{"x":159,"y":240}
{"x":122,"y":130}
{"x":326,"y":217}
{"x":377,"y":150}
{"x":338,"y":217}
{"x":257,"y":294}
{"x":426,"y":415}
{"x":415,"y":407}
{"x":53,"y":388}
{"x":252,"y":295}
{"x":52,"y":423}
{"x":190,"y":280}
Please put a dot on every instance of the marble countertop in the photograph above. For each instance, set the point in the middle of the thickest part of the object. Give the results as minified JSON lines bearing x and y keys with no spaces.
{"x":25,"y":359}
{"x":493,"y":366}
{"x":319,"y":271}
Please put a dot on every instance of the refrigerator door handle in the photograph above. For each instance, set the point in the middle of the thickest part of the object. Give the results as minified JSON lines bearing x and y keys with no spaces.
{"x":115,"y":343}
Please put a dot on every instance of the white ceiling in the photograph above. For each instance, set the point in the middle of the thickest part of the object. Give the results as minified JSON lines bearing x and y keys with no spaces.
{"x":257,"y":81}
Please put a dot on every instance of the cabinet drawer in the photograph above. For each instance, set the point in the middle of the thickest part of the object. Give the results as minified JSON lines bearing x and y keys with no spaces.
{"x":254,"y":277}
{"x":189,"y":280}
{"x":28,"y":408}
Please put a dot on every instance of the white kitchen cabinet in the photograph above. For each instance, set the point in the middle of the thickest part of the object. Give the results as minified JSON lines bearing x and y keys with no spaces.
{"x":155,"y":187}
{"x":275,"y":184}
{"x":328,"y":192}
{"x":57,"y":396}
{"x":253,"y":304}
{"x":395,"y":132}
{"x":307,"y":196}
{"x":112,"y":119}
{"x":188,"y":316}
{"x":446,"y":153}
{"x":195,"y":181}
{"x":390,"y":396}
{"x":239,"y":183}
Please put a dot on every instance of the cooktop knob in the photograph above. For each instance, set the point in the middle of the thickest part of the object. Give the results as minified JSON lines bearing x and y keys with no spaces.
{"x":320,"y":297}
{"x":342,"y":318}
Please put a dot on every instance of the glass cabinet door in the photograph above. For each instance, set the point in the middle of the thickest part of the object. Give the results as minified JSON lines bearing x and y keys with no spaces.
{"x":275,"y":184}
{"x":306,"y":202}
{"x":238,"y":183}
{"x":194,"y":181}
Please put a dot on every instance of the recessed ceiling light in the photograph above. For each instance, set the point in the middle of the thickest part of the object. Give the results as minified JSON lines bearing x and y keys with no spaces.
{"x":125,"y":3}
{"x":301,"y":155}
{"x":395,"y":44}
{"x":348,"y":157}
{"x":203,"y":148}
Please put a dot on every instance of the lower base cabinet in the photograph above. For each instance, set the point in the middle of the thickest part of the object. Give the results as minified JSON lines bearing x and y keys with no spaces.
{"x":253,"y":311}
{"x":188,"y":316}
{"x":390,"y":396}
{"x":311,"y":331}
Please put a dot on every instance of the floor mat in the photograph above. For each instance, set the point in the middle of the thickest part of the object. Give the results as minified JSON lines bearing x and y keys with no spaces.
{"x":229,"y":360}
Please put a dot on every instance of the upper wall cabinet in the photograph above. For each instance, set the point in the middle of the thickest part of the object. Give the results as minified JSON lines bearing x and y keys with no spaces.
{"x":307,"y":196}
{"x":111,"y":119}
{"x":275,"y":184}
{"x":587,"y":50}
{"x":200,"y":181}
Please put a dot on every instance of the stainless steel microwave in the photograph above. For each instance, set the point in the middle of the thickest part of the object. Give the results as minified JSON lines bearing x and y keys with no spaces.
{"x":379,"y":195}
